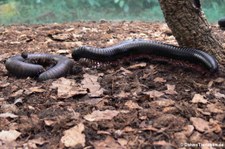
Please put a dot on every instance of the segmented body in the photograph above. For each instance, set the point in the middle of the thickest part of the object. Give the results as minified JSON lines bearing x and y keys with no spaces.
{"x":33,"y":66}
{"x":144,"y":47}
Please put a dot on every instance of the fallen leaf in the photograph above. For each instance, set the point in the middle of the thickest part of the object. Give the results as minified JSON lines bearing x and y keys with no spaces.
{"x":159,"y":80}
{"x":67,"y":88}
{"x":154,"y":94}
{"x":34,"y":90}
{"x":219,"y":95}
{"x":122,"y":142}
{"x":91,"y":83}
{"x":214,"y":108}
{"x":215,"y":126}
{"x":137,"y":66}
{"x":200,"y":124}
{"x":128,"y":129}
{"x":195,"y":137}
{"x":108,"y":143}
{"x":163,"y":103}
{"x":6,"y":115}
{"x":9,"y":108}
{"x":122,"y":94}
{"x":61,"y":37}
{"x":9,"y":136}
{"x":74,"y":137}
{"x":34,"y":143}
{"x":49,"y":122}
{"x":219,"y":80}
{"x":4,"y":84}
{"x":132,"y":105}
{"x":198,"y":99}
{"x":101,"y":115}
{"x":163,"y":143}
{"x":78,"y":43}
{"x":70,"y":29}
{"x":150,"y":128}
{"x":180,"y":137}
{"x":4,"y":56}
{"x":63,"y":51}
{"x":188,"y":130}
{"x":170,"y":89}
{"x":93,"y":101}
{"x":17,"y":93}
{"x":125,"y":71}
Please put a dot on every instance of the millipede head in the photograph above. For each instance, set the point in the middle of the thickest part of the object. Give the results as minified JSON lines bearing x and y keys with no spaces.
{"x":24,"y":55}
{"x":76,"y":53}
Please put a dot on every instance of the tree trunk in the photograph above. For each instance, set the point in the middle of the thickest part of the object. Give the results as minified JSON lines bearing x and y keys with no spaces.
{"x":190,"y":28}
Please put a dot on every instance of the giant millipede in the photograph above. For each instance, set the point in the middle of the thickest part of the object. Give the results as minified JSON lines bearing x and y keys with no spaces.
{"x":33,"y":65}
{"x":137,"y":47}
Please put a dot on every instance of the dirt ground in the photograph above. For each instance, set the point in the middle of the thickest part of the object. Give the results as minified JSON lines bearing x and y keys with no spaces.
{"x":130,"y":104}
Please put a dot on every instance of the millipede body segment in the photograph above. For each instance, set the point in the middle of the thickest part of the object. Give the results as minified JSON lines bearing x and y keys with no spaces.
{"x":33,"y":65}
{"x":137,"y":47}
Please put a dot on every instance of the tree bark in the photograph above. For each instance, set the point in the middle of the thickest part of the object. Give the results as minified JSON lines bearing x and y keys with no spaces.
{"x":189,"y":26}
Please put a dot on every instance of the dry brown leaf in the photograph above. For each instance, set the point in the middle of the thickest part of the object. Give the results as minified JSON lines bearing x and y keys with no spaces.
{"x":63,"y":51}
{"x":196,"y":137}
{"x":200,"y":124}
{"x":215,"y":126}
{"x":9,"y":108}
{"x":9,"y":136}
{"x":4,"y":56}
{"x":91,"y":83}
{"x":137,"y":66}
{"x":49,"y":122}
{"x":198,"y":99}
{"x":74,"y":137}
{"x":93,"y":101}
{"x":34,"y":90}
{"x":101,"y":115}
{"x":67,"y":88}
{"x":180,"y":137}
{"x":122,"y":94}
{"x":17,"y":93}
{"x":150,"y":128}
{"x":219,"y":95}
{"x":163,"y":102}
{"x":125,"y":71}
{"x":170,"y":89}
{"x":132,"y":105}
{"x":6,"y":115}
{"x":163,"y":143}
{"x":159,"y":80}
{"x":129,"y":129}
{"x":61,"y":37}
{"x":108,"y":143}
{"x":34,"y":143}
{"x":78,"y":43}
{"x":214,"y":108}
{"x":188,"y":130}
{"x":219,"y":80}
{"x":154,"y":94}
{"x":122,"y":142}
{"x":4,"y":84}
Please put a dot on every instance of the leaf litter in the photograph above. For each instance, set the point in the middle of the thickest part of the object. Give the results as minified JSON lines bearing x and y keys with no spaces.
{"x":129,"y":104}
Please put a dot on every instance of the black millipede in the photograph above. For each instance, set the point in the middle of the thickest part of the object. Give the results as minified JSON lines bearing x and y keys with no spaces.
{"x":34,"y":65}
{"x":137,"y":47}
